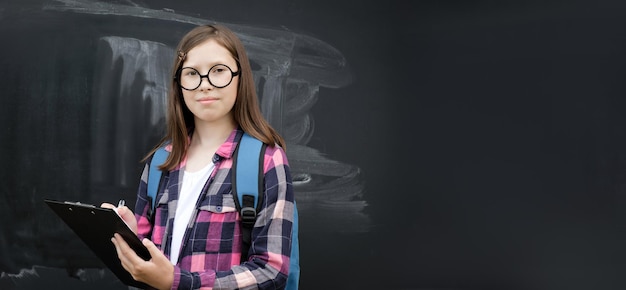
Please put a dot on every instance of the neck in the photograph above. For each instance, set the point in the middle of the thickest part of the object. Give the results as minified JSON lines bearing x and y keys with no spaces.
{"x":211,"y":134}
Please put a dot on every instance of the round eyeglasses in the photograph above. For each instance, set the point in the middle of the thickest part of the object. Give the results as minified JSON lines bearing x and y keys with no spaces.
{"x":219,"y":76}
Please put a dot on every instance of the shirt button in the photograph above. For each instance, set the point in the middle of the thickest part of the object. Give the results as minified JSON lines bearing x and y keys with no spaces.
{"x":218,"y":208}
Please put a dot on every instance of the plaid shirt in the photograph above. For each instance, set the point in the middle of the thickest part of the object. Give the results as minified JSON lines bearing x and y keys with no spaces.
{"x":211,"y":248}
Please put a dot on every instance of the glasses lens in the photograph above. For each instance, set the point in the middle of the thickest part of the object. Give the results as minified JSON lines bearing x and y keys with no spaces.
{"x":190,"y":78}
{"x":220,"y":75}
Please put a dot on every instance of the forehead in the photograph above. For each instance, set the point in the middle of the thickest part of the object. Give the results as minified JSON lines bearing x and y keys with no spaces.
{"x":207,"y":53}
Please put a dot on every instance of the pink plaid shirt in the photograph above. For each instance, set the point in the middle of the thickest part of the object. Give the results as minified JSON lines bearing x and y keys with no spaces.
{"x":211,"y":248}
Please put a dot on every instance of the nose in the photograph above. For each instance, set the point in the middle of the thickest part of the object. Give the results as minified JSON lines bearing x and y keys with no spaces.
{"x":206,"y":83}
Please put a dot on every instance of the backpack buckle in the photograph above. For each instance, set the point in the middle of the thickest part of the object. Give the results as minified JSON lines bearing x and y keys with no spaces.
{"x":248,"y":215}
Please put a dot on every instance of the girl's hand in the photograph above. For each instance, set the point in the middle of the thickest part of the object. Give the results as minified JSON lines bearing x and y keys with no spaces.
{"x":126,"y":214}
{"x":158,"y":272}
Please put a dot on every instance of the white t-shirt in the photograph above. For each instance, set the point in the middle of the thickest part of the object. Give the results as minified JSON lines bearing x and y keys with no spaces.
{"x":193,"y":182}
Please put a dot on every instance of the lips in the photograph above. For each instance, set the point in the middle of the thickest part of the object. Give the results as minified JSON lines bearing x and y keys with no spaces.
{"x":206,"y":99}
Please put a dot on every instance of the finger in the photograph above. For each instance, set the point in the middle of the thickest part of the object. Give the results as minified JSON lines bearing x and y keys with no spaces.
{"x":114,"y":241}
{"x":119,"y":252}
{"x":129,"y":217}
{"x":129,"y":254}
{"x":156,"y":256}
{"x":121,"y":244}
{"x":152,"y":248}
{"x":107,"y":205}
{"x":125,"y":212}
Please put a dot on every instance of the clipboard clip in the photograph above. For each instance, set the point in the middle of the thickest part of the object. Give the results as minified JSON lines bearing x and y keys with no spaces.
{"x":80,"y":204}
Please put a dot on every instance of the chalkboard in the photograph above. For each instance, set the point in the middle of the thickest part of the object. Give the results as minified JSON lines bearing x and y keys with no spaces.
{"x":434,"y":144}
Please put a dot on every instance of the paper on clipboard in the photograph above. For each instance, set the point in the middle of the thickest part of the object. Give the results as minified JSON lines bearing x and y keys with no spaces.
{"x":95,"y":226}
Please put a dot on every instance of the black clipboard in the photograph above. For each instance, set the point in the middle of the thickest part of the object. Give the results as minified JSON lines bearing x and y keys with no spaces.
{"x":95,"y":226}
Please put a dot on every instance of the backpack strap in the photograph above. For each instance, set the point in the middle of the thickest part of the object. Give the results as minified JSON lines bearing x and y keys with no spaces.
{"x":247,"y":183}
{"x":294,"y":259}
{"x":154,"y":175}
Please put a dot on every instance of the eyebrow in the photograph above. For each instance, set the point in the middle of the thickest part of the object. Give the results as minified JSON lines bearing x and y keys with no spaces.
{"x":213,"y":63}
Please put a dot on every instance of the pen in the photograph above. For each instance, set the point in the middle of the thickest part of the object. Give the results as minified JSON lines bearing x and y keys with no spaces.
{"x":121,"y":203}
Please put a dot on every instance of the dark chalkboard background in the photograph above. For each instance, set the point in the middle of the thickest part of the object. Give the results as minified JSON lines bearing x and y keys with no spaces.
{"x":471,"y":144}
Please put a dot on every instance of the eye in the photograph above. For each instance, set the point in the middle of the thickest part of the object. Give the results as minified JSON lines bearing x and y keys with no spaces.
{"x":189,"y":72}
{"x":219,"y":69}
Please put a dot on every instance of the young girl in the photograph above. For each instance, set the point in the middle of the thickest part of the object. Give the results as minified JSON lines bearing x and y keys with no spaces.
{"x":194,"y":233}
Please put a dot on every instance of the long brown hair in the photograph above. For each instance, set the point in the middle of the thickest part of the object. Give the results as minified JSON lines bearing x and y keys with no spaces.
{"x":246,"y":110}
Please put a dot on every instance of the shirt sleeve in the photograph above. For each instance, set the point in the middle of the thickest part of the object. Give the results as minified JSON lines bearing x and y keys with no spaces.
{"x":143,"y":206}
{"x":267,"y":266}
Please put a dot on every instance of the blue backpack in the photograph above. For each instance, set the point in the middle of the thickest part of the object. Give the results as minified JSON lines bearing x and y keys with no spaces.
{"x":247,"y":183}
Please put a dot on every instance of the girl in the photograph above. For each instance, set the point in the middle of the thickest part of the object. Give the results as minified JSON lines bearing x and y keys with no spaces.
{"x":194,"y":233}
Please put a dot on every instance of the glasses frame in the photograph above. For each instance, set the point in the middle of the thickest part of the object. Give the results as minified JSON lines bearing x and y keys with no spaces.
{"x":232,"y":76}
